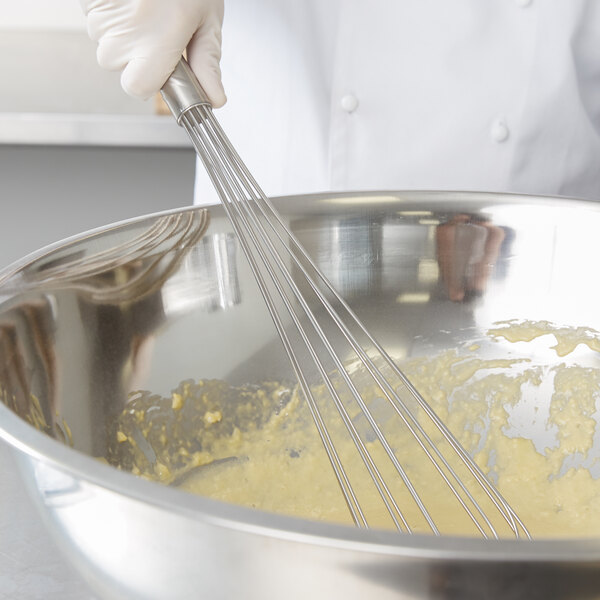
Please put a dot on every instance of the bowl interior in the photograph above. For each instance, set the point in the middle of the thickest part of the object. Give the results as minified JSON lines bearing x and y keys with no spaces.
{"x":152,"y":302}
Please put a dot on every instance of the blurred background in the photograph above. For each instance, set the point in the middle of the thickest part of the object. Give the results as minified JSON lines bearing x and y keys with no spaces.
{"x":75,"y":151}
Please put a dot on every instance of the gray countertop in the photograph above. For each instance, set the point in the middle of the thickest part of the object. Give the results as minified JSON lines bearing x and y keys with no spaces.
{"x":31,"y":567}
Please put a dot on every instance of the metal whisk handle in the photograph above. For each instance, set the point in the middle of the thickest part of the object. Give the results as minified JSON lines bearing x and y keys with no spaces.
{"x":182,"y":91}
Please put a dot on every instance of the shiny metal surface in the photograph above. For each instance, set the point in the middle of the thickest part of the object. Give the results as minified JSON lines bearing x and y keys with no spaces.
{"x":182,"y":91}
{"x":424,"y":271}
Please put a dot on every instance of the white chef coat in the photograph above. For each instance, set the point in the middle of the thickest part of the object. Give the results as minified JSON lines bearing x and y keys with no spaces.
{"x":496,"y":95}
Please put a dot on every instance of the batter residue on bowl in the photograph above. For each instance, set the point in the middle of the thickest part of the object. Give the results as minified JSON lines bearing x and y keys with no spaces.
{"x":531,"y":427}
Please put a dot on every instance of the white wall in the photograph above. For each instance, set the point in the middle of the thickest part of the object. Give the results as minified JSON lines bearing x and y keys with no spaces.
{"x":47,"y":15}
{"x":44,"y":47}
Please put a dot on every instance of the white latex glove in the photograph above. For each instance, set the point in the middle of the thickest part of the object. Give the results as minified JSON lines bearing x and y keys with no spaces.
{"x":146,"y":38}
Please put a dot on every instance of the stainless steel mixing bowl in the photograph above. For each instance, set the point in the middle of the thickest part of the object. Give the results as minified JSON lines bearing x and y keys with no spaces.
{"x":150,"y":302}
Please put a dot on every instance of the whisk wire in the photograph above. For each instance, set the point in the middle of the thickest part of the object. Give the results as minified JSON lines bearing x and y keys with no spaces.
{"x":253,"y":189}
{"x":256,"y":194}
{"x":247,"y":206}
{"x":384,"y":492}
{"x":222,"y":187}
{"x":252,"y":186}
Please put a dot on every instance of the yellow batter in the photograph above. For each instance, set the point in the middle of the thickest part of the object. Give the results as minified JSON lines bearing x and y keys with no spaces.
{"x":257,"y":446}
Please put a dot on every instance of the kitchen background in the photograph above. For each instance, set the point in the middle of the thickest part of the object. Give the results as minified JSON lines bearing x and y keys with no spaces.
{"x":75,"y":153}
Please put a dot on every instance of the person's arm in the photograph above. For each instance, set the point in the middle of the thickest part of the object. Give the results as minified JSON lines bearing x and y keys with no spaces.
{"x":146,"y":38}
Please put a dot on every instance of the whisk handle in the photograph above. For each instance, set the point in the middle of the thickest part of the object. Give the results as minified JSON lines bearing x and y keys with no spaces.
{"x":183,"y":91}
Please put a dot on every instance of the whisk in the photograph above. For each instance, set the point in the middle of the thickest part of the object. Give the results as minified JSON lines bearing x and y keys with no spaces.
{"x":373,"y":399}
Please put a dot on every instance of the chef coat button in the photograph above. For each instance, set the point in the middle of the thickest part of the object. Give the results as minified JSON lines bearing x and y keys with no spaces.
{"x":523,"y":3}
{"x":499,"y":131}
{"x":349,"y":103}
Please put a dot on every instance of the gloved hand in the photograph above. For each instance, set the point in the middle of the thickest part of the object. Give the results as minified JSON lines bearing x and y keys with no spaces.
{"x":146,"y":38}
